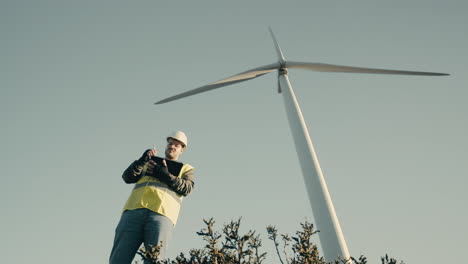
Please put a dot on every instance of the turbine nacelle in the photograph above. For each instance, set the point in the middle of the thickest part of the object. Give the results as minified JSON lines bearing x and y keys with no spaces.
{"x":281,"y":71}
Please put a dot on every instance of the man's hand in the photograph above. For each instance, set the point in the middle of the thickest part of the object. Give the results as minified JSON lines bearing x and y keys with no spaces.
{"x":148,"y":154}
{"x":152,"y":167}
{"x":159,"y":171}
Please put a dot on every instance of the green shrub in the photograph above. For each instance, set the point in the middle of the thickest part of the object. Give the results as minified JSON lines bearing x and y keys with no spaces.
{"x":231,"y":247}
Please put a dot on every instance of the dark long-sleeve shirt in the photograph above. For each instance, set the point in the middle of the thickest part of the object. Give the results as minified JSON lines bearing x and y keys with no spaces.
{"x":182,"y":185}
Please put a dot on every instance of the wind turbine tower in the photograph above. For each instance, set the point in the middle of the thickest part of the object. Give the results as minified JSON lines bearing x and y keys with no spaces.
{"x":331,"y":236}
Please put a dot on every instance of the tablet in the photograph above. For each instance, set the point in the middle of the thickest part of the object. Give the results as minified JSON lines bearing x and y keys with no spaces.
{"x":174,"y":167}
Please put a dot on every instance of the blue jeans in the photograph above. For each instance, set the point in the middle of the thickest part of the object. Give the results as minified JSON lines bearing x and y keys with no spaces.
{"x":136,"y":227}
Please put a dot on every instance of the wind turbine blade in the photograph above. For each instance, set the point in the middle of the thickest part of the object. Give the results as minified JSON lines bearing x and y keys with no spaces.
{"x":243,"y":76}
{"x":322,"y":67}
{"x":278,"y":49}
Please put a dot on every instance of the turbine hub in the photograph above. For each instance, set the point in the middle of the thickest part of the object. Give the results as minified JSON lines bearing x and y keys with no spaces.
{"x":282,"y":71}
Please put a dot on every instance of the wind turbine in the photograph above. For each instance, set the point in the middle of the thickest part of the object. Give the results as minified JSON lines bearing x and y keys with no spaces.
{"x":331,"y":236}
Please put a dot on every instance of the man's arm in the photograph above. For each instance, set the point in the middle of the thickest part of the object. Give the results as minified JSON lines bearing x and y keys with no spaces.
{"x":134,"y":172}
{"x":181,"y":185}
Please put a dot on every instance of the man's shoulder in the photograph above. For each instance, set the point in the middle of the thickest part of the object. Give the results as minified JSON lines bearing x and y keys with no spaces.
{"x":187,"y":170}
{"x":187,"y":166}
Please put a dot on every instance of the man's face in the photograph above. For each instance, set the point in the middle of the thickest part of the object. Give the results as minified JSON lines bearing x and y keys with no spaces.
{"x":174,"y":149}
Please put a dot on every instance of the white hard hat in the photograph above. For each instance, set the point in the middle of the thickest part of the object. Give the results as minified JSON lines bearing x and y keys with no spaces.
{"x":180,"y":136}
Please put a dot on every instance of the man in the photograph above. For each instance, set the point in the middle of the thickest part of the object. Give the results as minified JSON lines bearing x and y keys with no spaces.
{"x":153,"y":207}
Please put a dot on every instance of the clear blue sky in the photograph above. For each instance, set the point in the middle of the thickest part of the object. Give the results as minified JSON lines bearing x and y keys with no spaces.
{"x":78,"y":80}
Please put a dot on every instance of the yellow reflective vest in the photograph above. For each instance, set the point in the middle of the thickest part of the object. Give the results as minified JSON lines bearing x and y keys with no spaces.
{"x":156,"y":196}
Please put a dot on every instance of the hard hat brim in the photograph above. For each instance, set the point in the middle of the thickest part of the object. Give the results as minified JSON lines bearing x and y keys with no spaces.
{"x":182,"y":143}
